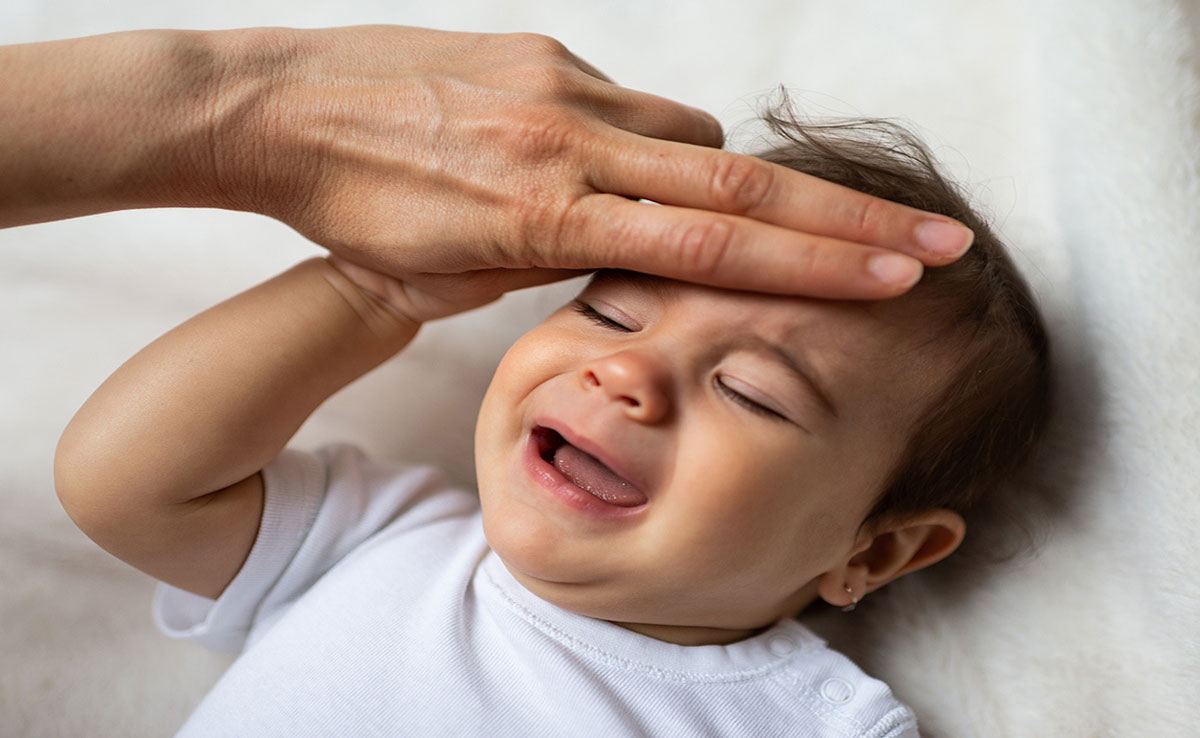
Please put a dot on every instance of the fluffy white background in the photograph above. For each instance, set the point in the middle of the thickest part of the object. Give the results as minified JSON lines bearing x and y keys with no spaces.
{"x":1074,"y":122}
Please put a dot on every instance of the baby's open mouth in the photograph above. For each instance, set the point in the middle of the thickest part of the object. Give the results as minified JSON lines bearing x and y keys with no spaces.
{"x":585,"y":471}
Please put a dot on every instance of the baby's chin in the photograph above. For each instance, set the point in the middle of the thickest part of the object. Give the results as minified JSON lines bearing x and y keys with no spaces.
{"x":584,"y":591}
{"x":651,"y":619}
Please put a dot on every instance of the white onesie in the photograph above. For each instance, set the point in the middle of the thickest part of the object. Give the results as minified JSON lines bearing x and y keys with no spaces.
{"x":371,"y":604}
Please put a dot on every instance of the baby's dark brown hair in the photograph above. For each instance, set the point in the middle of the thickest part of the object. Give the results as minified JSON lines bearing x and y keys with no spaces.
{"x":980,"y":427}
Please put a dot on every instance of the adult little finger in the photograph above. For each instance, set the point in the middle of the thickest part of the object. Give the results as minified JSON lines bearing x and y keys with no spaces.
{"x":651,"y":116}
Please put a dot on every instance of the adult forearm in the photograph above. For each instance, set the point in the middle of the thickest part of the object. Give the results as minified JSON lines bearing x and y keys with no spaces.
{"x":215,"y":399}
{"x":118,"y":121}
{"x":407,"y":150}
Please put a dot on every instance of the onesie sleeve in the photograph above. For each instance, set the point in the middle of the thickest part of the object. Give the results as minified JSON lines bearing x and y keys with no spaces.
{"x":318,"y":507}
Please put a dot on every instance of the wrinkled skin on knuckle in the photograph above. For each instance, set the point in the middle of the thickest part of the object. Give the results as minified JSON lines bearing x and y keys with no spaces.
{"x":740,"y":184}
{"x":543,"y":221}
{"x":869,"y":217}
{"x":538,"y":135}
{"x":612,"y":239}
{"x":539,"y":152}
{"x":703,"y":249}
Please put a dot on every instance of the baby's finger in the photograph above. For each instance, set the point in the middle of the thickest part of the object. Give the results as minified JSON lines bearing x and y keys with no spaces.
{"x":726,"y":251}
{"x":695,"y":177}
{"x":500,"y":280}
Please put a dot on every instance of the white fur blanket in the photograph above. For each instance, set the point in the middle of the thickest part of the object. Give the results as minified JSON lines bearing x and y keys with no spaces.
{"x":1074,"y":122}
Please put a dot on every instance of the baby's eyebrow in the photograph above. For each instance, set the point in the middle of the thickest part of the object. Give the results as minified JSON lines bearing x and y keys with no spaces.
{"x":797,"y":366}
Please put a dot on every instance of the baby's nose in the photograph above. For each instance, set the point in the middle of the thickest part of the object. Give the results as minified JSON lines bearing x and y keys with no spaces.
{"x":635,"y":380}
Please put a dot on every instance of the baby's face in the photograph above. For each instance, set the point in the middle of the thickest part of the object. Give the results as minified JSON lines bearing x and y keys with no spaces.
{"x":664,"y":454}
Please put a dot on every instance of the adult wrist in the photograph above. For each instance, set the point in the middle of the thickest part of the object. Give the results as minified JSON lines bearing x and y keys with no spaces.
{"x":247,"y":123}
{"x":181,"y":112}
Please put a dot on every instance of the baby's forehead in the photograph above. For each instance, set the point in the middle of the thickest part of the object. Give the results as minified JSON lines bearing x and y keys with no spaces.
{"x":897,"y":315}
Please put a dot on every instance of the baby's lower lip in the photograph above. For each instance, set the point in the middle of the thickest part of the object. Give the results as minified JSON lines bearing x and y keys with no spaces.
{"x":552,"y":480}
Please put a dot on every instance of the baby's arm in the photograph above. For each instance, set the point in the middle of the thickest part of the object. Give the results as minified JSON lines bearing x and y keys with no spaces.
{"x":161,"y":465}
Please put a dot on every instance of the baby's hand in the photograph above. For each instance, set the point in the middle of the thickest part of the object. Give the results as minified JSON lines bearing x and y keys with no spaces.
{"x":419,"y":297}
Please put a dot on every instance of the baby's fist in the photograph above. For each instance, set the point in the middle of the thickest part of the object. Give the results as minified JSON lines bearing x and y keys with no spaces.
{"x":422,"y":296}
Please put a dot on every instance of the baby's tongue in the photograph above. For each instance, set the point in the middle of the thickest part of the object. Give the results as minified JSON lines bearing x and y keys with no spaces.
{"x":587,"y":473}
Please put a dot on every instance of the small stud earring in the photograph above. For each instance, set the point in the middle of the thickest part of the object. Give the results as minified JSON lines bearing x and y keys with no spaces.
{"x":853,"y":600}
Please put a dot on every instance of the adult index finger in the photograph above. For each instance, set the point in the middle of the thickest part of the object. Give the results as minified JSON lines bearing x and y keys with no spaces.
{"x":738,"y":184}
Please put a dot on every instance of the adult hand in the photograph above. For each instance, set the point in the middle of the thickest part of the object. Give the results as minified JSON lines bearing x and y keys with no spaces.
{"x":502,"y":158}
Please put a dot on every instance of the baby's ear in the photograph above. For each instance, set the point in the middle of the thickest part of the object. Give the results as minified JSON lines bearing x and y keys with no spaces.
{"x":891,"y":550}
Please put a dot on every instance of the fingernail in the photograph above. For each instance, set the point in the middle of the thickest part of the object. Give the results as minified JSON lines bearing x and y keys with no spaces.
{"x":895,"y":269}
{"x":944,"y":239}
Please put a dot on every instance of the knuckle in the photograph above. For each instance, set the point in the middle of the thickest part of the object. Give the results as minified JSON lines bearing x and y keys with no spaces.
{"x":543,"y":222}
{"x":539,"y":44}
{"x":539,"y":136}
{"x":808,"y":262}
{"x":703,"y":248}
{"x":868,"y":216}
{"x":612,"y":238}
{"x":551,"y":81}
{"x":741,"y":183}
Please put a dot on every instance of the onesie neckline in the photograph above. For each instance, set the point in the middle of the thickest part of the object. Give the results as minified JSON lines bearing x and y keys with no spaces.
{"x":621,"y":648}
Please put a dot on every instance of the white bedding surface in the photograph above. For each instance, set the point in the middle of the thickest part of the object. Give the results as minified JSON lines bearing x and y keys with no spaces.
{"x":1074,"y":122}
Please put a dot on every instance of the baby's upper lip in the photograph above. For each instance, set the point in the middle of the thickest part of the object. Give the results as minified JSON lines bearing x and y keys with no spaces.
{"x":619,"y":466}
